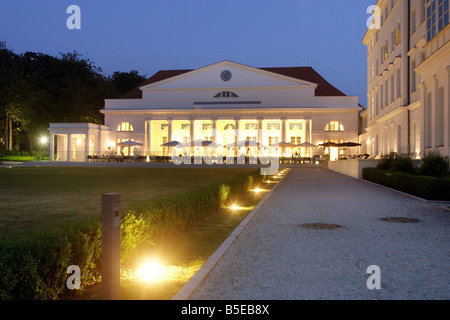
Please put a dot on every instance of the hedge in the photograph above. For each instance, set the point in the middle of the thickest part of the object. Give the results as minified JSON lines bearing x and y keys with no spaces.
{"x":430,"y":188}
{"x":34,"y":267}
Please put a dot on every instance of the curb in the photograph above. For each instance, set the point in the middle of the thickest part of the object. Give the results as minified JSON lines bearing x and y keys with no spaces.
{"x":406,"y":194}
{"x":186,"y":291}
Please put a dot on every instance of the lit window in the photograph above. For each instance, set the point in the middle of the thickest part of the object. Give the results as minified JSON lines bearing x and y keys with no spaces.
{"x":226,"y":94}
{"x":437,"y":16}
{"x":334,"y":126}
{"x":125,"y":127}
{"x":229,"y":127}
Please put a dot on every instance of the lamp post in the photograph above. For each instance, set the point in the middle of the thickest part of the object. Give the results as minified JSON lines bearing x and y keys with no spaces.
{"x":43,"y":140}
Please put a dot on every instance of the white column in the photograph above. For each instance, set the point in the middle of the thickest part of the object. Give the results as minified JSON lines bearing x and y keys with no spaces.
{"x":192,"y":130}
{"x":169,"y":135}
{"x":434,"y":102}
{"x":69,"y":147}
{"x":308,"y":131}
{"x":423,"y":131}
{"x":283,"y":135}
{"x":52,"y":147}
{"x":148,"y":137}
{"x":214,"y":130}
{"x":86,"y":147}
{"x":98,"y":145}
{"x":446,"y":83}
{"x":236,"y":137}
{"x":260,"y":131}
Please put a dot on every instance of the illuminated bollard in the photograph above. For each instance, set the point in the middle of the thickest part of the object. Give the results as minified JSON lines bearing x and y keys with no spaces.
{"x":111,"y":246}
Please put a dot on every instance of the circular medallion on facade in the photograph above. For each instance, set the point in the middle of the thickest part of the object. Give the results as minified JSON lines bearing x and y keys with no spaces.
{"x":226,"y":75}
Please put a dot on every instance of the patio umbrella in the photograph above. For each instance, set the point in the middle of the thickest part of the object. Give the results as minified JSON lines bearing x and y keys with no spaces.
{"x":171,"y":144}
{"x":287,"y":144}
{"x":129,"y":143}
{"x":245,"y":143}
{"x":196,"y":143}
{"x":329,"y":144}
{"x":349,"y":144}
{"x":210,"y":144}
{"x":306,"y":144}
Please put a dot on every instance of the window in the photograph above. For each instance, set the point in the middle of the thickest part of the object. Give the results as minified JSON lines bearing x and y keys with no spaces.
{"x":413,"y":76}
{"x":229,"y":126}
{"x":273,"y":141}
{"x":296,"y":140}
{"x":125,"y":127}
{"x":437,"y":16}
{"x":386,"y":50}
{"x":398,"y":37}
{"x":334,"y":126}
{"x":226,"y":94}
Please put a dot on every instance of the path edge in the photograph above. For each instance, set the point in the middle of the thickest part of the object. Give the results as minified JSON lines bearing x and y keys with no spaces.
{"x":186,"y":291}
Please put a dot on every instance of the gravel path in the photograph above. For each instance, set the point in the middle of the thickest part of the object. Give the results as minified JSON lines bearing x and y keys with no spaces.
{"x":275,"y":258}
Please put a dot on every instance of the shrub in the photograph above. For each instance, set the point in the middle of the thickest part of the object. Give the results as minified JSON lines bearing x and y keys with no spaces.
{"x":430,"y":188}
{"x":397,"y":163}
{"x":386,"y":161}
{"x":402,"y":163}
{"x":434,"y":164}
{"x":35,"y":267}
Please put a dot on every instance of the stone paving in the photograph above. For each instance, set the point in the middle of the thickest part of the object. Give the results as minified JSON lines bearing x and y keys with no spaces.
{"x":284,"y":253}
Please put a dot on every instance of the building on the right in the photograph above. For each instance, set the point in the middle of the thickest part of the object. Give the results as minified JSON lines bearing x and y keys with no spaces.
{"x":408,"y":61}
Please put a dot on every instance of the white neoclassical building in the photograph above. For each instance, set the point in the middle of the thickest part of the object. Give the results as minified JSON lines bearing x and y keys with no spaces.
{"x":225,"y":103}
{"x":408,"y":57}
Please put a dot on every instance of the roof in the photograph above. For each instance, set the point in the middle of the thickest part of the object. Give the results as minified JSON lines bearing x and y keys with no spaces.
{"x":324,"y":88}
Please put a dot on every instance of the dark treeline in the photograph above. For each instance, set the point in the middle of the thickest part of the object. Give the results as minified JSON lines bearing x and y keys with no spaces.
{"x":37,"y":89}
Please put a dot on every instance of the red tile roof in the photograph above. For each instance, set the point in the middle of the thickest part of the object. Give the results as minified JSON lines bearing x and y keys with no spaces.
{"x":324,"y":88}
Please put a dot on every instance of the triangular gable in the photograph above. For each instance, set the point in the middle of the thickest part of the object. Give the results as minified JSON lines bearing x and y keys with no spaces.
{"x":239,"y":76}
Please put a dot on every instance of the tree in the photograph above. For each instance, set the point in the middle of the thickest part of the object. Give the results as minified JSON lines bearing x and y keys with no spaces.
{"x":37,"y":89}
{"x":126,"y":81}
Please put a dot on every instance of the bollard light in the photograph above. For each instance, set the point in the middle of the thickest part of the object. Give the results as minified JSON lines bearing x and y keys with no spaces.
{"x":111,"y":203}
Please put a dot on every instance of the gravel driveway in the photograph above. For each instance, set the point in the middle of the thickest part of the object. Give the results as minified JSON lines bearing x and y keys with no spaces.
{"x":276,"y":257}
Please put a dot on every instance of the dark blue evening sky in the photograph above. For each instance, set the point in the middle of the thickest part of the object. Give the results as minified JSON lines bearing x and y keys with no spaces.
{"x":154,"y":35}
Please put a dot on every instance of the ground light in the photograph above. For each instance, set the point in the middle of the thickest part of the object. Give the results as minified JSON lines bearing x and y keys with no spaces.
{"x":234,"y":207}
{"x":150,"y":271}
{"x":43,"y":140}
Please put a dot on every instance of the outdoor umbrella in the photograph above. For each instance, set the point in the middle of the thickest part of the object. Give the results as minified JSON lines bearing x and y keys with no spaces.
{"x":349,"y":144}
{"x":170,"y":144}
{"x":245,"y":143}
{"x":129,"y":144}
{"x":306,"y":144}
{"x":329,"y":144}
{"x":287,"y":144}
{"x":210,"y":144}
{"x":196,"y":143}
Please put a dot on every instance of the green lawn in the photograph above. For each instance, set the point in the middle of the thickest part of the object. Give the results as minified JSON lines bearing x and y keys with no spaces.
{"x":34,"y":198}
{"x":23,"y":158}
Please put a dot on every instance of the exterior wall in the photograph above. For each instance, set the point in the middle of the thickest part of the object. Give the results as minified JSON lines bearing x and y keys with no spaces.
{"x":406,"y":111}
{"x":267,"y":107}
{"x":353,"y":167}
{"x":75,"y":141}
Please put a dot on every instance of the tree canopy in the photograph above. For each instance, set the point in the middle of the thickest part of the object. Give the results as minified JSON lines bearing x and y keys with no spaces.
{"x":37,"y":89}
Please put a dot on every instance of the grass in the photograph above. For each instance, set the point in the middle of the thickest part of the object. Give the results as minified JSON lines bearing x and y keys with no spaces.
{"x":34,"y":198}
{"x":23,"y":158}
{"x":183,"y":254}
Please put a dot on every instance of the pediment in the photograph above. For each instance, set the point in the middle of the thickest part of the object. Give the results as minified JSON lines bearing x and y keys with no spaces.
{"x":228,"y":74}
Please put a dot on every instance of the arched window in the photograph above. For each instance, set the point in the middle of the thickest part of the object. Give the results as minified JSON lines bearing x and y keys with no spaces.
{"x":226,"y":94}
{"x":125,"y":127}
{"x":229,"y":126}
{"x":334,"y":126}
